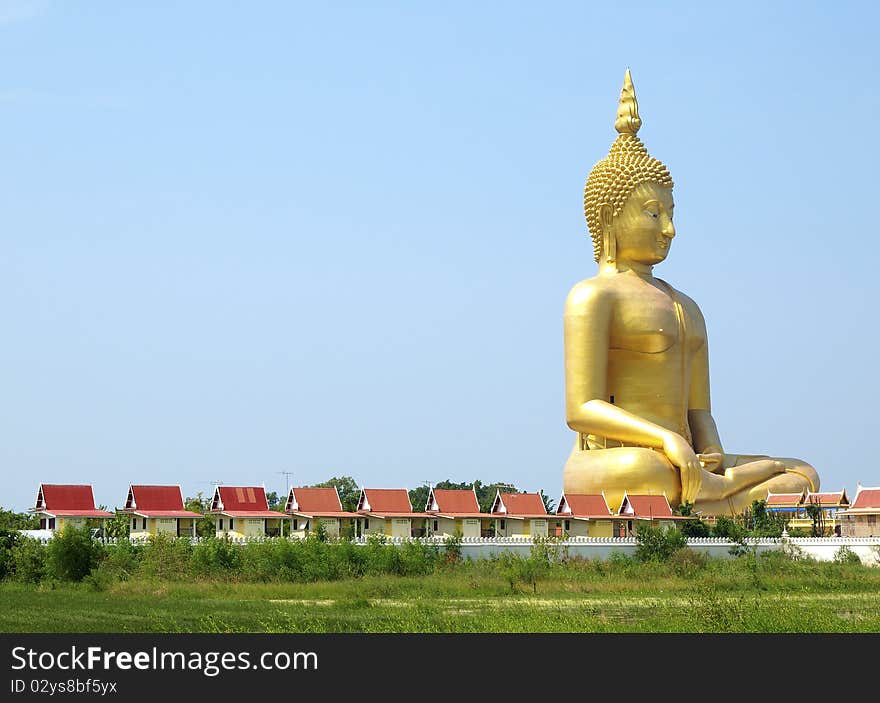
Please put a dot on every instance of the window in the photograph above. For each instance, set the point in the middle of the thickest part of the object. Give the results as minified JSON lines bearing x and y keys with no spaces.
{"x":436,"y":525}
{"x":145,"y":523}
{"x":221,"y":523}
{"x":366,"y":523}
{"x":295,"y":524}
{"x":134,"y":523}
{"x":504,"y":524}
{"x":568,"y":525}
{"x":872,"y":519}
{"x":42,"y":523}
{"x":51,"y":523}
{"x":231,"y":521}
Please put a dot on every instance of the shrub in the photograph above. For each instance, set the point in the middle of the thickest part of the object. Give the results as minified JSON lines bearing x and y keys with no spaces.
{"x":28,"y":558}
{"x":166,"y":558}
{"x":216,"y":557}
{"x":119,"y":562}
{"x":687,"y":562}
{"x":452,"y":548}
{"x":72,"y":554}
{"x":845,"y":555}
{"x":8,"y":540}
{"x":658,"y":543}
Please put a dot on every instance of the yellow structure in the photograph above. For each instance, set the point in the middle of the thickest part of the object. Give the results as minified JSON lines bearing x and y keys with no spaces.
{"x":636,"y":355}
{"x":155,"y":510}
{"x":66,"y":505}
{"x":520,"y":515}
{"x":455,"y":513}
{"x":583,"y":516}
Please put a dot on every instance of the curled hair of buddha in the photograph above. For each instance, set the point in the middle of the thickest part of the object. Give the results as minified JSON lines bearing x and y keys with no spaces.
{"x":627,"y":166}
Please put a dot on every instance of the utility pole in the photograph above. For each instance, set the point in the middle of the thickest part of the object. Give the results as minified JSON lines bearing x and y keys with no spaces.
{"x":287,"y":475}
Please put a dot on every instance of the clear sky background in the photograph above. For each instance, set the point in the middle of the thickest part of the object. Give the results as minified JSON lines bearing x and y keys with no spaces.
{"x":246,"y":238}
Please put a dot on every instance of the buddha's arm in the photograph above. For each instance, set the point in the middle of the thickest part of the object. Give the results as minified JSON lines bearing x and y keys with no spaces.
{"x":703,"y":430}
{"x":588,"y":313}
{"x":587,"y":339}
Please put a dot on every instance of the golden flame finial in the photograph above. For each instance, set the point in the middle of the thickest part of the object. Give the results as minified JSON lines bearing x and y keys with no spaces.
{"x":628,"y":120}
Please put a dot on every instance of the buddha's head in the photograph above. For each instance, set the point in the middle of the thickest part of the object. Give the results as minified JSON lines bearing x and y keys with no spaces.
{"x":628,"y":196}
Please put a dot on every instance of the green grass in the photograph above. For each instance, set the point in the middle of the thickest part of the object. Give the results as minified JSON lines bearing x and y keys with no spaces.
{"x":743,"y":595}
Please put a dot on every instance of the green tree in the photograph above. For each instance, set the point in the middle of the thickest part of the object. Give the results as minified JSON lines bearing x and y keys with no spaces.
{"x":549,"y":503}
{"x":72,"y":554}
{"x":349,"y":492}
{"x":273,"y":500}
{"x":200,"y":504}
{"x":10,"y":520}
{"x":692,"y":528}
{"x":658,"y":543}
{"x":817,"y":516}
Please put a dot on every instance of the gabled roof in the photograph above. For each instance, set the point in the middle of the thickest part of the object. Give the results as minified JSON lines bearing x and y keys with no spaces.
{"x":828,"y":499}
{"x":242,"y":501}
{"x":583,"y":505}
{"x":158,"y":502}
{"x":866,"y":498}
{"x":649,"y":507}
{"x":784,"y":499}
{"x":384,"y":500}
{"x":315,"y":502}
{"x":453,"y":502}
{"x":67,"y":499}
{"x":518,"y":505}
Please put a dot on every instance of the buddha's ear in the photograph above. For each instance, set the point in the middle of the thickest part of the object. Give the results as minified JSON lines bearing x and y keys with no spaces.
{"x":609,"y":241}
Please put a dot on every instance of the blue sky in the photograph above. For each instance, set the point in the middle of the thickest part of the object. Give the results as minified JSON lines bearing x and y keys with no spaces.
{"x":336,"y":238}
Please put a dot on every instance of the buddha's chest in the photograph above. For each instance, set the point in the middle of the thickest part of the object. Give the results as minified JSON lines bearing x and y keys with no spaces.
{"x":648,"y":322}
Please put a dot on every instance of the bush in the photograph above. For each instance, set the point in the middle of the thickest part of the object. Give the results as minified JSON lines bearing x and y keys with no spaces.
{"x":687,"y":562}
{"x":845,"y":555}
{"x":658,"y":543}
{"x":72,"y":554}
{"x":28,"y":560}
{"x":166,"y":558}
{"x":119,"y":563}
{"x":8,"y":540}
{"x":452,"y":548}
{"x":214,"y":556}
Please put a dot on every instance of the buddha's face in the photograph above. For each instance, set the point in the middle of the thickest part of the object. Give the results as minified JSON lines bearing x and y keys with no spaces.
{"x":643,"y":229}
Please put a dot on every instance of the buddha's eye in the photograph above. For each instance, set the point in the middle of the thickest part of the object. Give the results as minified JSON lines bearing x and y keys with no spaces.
{"x":652,"y":214}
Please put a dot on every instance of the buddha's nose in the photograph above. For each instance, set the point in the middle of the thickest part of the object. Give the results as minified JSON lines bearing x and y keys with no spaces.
{"x":668,"y":229}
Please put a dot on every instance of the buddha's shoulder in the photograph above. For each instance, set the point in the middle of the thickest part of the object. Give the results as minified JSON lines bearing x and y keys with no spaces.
{"x":689,"y":304}
{"x":590,"y":292}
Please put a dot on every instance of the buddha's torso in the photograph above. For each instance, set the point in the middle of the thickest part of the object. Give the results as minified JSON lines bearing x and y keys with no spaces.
{"x":650,"y":349}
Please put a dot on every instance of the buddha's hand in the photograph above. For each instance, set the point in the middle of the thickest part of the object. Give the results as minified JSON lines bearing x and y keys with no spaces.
{"x":681,"y":454}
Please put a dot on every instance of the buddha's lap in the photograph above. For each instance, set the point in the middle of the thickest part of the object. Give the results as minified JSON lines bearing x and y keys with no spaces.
{"x":635,"y":470}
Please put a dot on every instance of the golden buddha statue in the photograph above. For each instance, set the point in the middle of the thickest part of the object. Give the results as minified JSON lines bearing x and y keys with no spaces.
{"x":636,"y":355}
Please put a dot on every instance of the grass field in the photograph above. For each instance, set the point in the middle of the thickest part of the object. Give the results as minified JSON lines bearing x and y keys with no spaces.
{"x":740,"y":595}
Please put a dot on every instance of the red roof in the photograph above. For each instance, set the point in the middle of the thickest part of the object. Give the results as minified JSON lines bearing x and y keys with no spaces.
{"x":314,"y":500}
{"x":73,"y":500}
{"x":243,"y":501}
{"x":646,"y":506}
{"x":825,"y":498}
{"x":157,"y":501}
{"x":584,"y":505}
{"x":156,"y":498}
{"x":523,"y":505}
{"x":784,"y":498}
{"x":867,"y":498}
{"x":452,"y":501}
{"x":385,"y":500}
